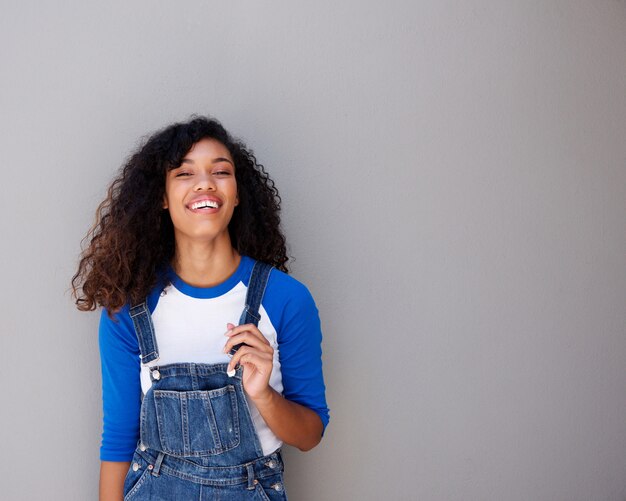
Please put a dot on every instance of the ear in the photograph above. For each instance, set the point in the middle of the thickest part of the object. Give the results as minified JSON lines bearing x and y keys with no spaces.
{"x":165,"y":206}
{"x":237,"y":200}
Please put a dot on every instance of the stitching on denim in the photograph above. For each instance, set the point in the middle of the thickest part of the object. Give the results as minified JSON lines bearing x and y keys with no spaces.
{"x":261,"y":492}
{"x":144,"y":330}
{"x":210,"y":414}
{"x":228,"y":479}
{"x":138,"y":484}
{"x":169,"y":443}
{"x":231,"y":475}
{"x":256,"y":290}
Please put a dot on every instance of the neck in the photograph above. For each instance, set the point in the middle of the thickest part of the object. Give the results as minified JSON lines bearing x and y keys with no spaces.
{"x":205,"y":264}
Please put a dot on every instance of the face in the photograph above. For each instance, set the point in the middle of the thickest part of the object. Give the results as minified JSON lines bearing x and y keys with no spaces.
{"x":201,"y":194}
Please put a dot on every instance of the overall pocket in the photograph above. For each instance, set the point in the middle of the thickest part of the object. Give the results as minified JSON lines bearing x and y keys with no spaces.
{"x":135,"y":477}
{"x":197,"y":423}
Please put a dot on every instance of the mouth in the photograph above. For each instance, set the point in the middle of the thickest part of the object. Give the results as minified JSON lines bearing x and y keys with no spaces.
{"x":205,"y":205}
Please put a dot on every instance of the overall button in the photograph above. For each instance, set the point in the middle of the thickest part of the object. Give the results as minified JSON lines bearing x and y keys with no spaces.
{"x":277,"y":486}
{"x":156,"y":374}
{"x":136,"y":466}
{"x":142,"y":447}
{"x":271,"y":464}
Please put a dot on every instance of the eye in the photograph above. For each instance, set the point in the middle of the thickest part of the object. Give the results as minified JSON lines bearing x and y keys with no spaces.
{"x":182,"y":174}
{"x":222,"y":173}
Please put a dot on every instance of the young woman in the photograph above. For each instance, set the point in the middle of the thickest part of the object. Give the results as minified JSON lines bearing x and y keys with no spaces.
{"x":210,"y":352}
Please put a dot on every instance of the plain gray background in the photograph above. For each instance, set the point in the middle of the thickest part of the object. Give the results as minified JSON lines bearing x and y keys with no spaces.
{"x":454,"y":185}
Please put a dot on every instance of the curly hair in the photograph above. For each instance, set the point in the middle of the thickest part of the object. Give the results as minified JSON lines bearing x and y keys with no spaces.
{"x":133,"y":236}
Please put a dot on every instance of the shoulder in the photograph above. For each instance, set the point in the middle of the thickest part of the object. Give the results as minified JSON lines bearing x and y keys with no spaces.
{"x":117,"y":327}
{"x":290,"y":306}
{"x":282,"y":290}
{"x":286,"y":295}
{"x":286,"y":286}
{"x":286,"y":300}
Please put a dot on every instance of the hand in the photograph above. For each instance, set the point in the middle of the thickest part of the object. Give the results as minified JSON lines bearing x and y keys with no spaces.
{"x":256,"y":356}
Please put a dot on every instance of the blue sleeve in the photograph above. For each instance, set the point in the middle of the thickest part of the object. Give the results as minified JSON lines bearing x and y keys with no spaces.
{"x":293,"y":313}
{"x":121,"y":386}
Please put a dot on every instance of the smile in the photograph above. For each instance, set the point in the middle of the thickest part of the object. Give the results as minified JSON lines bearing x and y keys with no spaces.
{"x":211,"y":204}
{"x":204,"y":205}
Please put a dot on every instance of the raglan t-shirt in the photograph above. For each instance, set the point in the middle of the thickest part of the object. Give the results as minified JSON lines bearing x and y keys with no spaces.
{"x":189,"y":324}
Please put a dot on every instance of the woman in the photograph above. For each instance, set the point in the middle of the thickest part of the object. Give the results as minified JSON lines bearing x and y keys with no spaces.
{"x":210,"y":352}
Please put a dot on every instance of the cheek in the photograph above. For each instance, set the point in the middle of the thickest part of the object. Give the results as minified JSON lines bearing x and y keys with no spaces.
{"x":232,"y":188}
{"x":173,"y":195}
{"x":166,"y":194}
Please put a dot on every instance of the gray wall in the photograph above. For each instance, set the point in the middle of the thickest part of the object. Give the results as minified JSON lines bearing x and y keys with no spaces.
{"x":454,"y":187}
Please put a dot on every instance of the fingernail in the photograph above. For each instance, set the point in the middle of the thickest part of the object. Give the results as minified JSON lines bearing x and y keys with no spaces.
{"x":230,"y":373}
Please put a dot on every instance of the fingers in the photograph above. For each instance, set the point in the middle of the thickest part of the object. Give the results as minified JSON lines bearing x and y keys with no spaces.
{"x":234,"y":330}
{"x":247,"y":334}
{"x":247,"y":355}
{"x":251,"y":348}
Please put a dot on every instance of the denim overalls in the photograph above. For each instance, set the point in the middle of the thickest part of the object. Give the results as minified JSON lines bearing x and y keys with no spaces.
{"x":197,"y":439}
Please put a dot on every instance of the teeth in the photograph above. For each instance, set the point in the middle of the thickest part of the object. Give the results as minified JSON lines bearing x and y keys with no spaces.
{"x":203,"y":204}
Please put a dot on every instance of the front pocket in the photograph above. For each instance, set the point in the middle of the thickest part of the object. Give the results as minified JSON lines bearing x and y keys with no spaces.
{"x":197,"y":423}
{"x":135,"y":478}
{"x":135,"y":489}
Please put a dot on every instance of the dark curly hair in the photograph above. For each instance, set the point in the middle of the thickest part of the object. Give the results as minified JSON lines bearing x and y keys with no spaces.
{"x":133,"y":237}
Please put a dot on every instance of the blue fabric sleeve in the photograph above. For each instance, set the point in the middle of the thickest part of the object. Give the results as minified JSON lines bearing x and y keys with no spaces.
{"x":295,"y":317}
{"x":121,"y":386}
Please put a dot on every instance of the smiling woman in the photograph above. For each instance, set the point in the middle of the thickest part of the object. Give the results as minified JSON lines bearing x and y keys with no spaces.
{"x":202,"y":334}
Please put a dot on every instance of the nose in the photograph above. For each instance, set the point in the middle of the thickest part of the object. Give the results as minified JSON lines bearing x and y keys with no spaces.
{"x":204,"y":182}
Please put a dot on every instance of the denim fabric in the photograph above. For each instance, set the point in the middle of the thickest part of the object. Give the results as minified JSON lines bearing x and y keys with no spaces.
{"x":254,"y":296}
{"x":197,"y":439}
{"x":158,"y":476}
{"x":145,"y":332}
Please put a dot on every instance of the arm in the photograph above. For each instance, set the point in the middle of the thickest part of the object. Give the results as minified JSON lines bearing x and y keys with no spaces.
{"x":121,"y":400}
{"x":300,"y":416}
{"x":293,"y":423}
{"x":112,"y":475}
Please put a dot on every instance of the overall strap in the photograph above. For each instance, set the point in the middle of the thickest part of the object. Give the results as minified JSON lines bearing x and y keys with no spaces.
{"x":144,"y":329}
{"x":256,"y":289}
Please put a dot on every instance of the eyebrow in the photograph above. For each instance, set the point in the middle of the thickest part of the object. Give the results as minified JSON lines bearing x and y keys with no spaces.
{"x":214,"y":161}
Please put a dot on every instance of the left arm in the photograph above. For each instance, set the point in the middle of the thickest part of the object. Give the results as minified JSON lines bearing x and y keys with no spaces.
{"x":291,"y":422}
